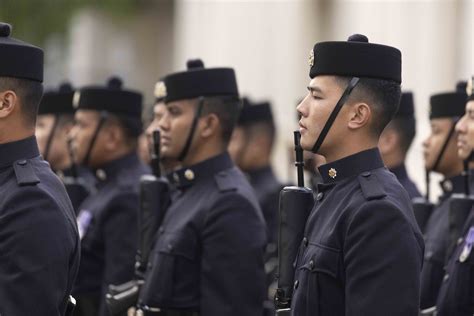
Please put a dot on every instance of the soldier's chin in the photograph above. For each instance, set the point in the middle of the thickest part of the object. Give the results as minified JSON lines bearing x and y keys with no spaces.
{"x":463,"y":152}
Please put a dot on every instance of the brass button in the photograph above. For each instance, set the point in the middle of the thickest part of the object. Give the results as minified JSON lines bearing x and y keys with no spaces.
{"x":446,"y":277}
{"x":311,"y":265}
{"x":320,"y":196}
{"x":305,"y":241}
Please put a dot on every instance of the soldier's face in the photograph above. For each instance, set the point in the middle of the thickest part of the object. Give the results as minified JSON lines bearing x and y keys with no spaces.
{"x":58,"y":151}
{"x":433,"y":144}
{"x":84,"y":128}
{"x":237,"y":145}
{"x":175,"y":126}
{"x":44,"y":126}
{"x":159,"y":110}
{"x":323,"y":94}
{"x":465,"y":130}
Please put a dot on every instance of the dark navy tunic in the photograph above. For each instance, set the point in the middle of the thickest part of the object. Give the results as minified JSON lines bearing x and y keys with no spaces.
{"x":456,"y":295}
{"x":267,"y":189}
{"x":402,"y":176}
{"x":39,"y":242}
{"x":78,"y":186}
{"x":362,"y":252}
{"x":108,"y":227}
{"x":208,"y":256}
{"x":437,"y":242}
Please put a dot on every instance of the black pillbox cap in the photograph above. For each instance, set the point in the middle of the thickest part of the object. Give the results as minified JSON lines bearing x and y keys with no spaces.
{"x":447,"y":105}
{"x":19,"y":59}
{"x":356,"y":58}
{"x":198,"y":81}
{"x":111,"y":98}
{"x":57,"y":101}
{"x":407,"y":106}
{"x":253,"y":113}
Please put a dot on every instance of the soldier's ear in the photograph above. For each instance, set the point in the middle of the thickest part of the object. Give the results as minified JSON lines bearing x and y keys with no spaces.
{"x":360,"y":114}
{"x":209,"y":125}
{"x":8,"y":102}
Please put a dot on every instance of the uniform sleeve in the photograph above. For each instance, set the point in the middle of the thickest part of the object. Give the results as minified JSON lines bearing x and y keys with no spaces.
{"x":120,"y":235}
{"x":38,"y":246}
{"x":232,"y":275}
{"x":383,"y":259}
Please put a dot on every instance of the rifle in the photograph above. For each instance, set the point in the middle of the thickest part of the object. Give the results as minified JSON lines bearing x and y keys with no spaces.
{"x":76,"y":187}
{"x":154,"y":200}
{"x":422,"y":207}
{"x":460,"y":206}
{"x":296,"y":203}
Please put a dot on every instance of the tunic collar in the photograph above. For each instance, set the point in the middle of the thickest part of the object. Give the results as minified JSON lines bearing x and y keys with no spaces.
{"x":26,"y":148}
{"x":351,"y":166}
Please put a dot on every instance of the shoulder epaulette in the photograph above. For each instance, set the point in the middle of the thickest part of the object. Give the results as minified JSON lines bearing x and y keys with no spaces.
{"x":25,"y":173}
{"x":371,"y":186}
{"x":225,"y":182}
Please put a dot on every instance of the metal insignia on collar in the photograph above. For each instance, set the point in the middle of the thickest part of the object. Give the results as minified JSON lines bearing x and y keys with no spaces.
{"x":75,"y":99}
{"x":160,"y":89}
{"x":448,"y":185}
{"x":189,"y":174}
{"x":311,"y":58}
{"x":332,"y":173}
{"x":101,"y":175}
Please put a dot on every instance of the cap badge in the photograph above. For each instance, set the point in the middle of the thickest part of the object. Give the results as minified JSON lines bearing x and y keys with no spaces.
{"x":311,"y":58}
{"x":470,"y":86}
{"x":189,"y":174}
{"x":75,"y":99}
{"x":160,"y":89}
{"x":332,"y":173}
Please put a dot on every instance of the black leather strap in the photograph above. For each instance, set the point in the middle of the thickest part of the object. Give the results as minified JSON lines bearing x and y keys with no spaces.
{"x":445,"y":145}
{"x":51,"y":137}
{"x":103,"y":117}
{"x":334,"y":114}
{"x":189,"y":140}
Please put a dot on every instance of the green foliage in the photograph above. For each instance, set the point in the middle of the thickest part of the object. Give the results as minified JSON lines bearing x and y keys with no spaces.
{"x":35,"y":20}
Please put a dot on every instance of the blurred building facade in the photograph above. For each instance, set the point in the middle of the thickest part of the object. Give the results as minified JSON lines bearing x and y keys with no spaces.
{"x":267,"y":42}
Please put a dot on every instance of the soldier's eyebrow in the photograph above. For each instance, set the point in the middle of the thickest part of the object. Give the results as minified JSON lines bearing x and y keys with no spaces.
{"x":314,"y":89}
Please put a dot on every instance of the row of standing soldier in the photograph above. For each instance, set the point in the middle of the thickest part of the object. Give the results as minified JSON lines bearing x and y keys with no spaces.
{"x":206,"y":243}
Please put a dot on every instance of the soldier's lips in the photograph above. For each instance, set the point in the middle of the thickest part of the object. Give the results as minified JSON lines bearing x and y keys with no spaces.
{"x":302,"y":127}
{"x":165,"y":140}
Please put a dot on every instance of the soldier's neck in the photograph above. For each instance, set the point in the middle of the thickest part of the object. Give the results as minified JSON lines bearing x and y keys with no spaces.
{"x":348,"y":148}
{"x":9,"y":135}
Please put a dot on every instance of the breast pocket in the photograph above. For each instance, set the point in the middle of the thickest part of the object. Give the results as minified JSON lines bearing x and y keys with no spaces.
{"x":322,"y":281}
{"x":174,"y":269}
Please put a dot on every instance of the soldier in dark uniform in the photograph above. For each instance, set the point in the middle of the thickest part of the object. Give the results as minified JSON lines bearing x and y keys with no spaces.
{"x":39,"y":242}
{"x":208,"y":255}
{"x":105,"y":136}
{"x":55,"y":121}
{"x":168,"y":164}
{"x":441,"y":156}
{"x":362,"y":252}
{"x":456,"y":295}
{"x":396,"y":140}
{"x":251,"y":148}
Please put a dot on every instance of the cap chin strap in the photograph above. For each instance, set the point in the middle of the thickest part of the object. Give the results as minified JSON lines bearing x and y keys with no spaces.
{"x":334,"y":113}
{"x":50,"y":137}
{"x":103,"y":117}
{"x":438,"y":158}
{"x":189,"y":140}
